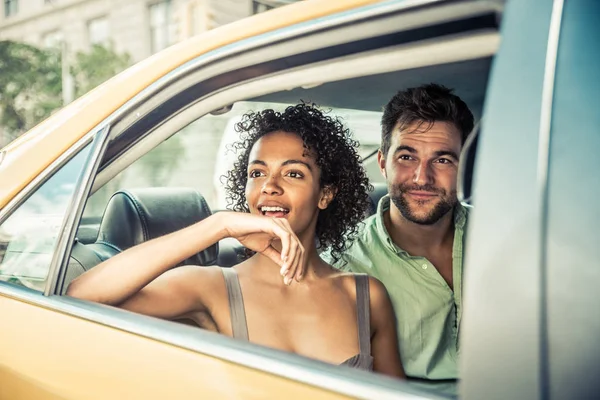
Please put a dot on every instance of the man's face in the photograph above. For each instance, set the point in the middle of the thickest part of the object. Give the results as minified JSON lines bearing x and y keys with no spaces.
{"x":421,"y":170}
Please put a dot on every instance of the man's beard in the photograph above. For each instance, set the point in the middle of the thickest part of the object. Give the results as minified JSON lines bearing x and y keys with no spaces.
{"x":445,"y":203}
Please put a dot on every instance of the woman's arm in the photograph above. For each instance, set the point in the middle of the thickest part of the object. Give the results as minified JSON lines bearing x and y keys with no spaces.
{"x":384,"y":338}
{"x":118,"y":278}
{"x":140,"y":279}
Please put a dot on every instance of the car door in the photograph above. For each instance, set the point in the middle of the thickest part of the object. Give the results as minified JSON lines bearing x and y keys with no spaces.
{"x":531,"y":277}
{"x":61,"y":346}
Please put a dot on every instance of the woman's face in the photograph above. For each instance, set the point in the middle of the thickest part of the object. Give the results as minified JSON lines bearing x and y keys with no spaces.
{"x":283,"y":181}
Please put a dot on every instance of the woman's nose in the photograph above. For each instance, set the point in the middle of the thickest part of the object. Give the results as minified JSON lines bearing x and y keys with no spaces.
{"x":271,"y":186}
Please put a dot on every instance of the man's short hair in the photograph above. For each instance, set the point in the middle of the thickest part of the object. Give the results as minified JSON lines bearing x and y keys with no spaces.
{"x":429,"y":104}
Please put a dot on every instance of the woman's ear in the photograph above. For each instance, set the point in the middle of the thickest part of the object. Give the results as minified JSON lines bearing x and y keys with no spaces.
{"x":327,"y":195}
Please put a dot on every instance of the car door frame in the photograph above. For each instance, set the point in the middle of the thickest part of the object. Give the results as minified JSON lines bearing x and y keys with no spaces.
{"x":504,"y":351}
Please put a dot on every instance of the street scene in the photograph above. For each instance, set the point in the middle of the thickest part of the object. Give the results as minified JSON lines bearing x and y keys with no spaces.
{"x":252,"y":199}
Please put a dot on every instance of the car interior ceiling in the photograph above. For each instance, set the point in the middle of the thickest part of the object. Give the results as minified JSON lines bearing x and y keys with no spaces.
{"x":135,"y":216}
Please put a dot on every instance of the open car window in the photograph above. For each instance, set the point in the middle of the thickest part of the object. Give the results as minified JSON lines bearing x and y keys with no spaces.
{"x":200,"y":155}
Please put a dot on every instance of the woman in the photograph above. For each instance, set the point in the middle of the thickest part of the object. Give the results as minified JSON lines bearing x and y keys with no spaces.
{"x":298,"y":185}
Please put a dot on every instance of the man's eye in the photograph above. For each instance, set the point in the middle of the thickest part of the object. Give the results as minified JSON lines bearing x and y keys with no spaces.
{"x":444,"y":161}
{"x":405,"y":157}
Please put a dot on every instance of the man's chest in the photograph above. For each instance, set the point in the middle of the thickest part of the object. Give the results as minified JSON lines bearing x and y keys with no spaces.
{"x":418,"y":290}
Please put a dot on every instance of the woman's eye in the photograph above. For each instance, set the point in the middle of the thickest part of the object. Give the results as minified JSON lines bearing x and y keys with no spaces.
{"x":255,"y":174}
{"x":295,"y":174}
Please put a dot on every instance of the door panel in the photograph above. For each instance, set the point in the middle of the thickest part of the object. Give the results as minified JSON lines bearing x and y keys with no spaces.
{"x":53,"y":354}
{"x":573,"y":250}
{"x":501,"y":331}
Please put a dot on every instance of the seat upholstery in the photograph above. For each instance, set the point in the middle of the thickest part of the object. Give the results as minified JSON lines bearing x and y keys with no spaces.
{"x":135,"y":216}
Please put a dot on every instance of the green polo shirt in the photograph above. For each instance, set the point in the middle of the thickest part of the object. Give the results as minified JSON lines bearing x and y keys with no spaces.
{"x":428,"y":311}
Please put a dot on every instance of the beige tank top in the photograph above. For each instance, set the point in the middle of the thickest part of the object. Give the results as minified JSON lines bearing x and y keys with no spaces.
{"x":363,"y":360}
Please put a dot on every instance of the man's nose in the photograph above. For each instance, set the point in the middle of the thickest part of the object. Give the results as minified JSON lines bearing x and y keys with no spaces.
{"x":423,"y":174}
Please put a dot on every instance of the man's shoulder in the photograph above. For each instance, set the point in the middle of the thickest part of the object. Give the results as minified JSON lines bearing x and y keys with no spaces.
{"x":358,"y":256}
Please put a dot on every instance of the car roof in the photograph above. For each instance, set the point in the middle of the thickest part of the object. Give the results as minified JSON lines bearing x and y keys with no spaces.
{"x":29,"y":155}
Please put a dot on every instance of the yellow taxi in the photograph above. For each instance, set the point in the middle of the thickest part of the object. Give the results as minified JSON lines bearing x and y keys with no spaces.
{"x":142,"y":155}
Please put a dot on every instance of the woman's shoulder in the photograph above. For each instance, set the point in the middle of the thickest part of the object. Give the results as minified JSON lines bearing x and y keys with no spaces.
{"x":377,"y":290}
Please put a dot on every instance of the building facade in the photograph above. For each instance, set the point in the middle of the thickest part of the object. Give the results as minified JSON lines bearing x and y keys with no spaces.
{"x":137,"y":27}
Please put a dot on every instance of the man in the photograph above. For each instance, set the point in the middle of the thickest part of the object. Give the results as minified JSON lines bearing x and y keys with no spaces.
{"x":414,"y":242}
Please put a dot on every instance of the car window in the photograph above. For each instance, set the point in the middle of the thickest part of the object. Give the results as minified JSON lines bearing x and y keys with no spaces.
{"x":28,"y":237}
{"x":200,"y":155}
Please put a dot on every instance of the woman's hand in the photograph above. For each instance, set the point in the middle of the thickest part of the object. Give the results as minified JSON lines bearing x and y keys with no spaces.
{"x":260,"y":234}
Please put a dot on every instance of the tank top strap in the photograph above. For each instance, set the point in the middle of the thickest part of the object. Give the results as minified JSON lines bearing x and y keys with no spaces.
{"x":363,"y":313}
{"x":237,"y":313}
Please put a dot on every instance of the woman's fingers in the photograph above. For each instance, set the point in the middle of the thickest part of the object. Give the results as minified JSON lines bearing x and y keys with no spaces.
{"x":294,"y":257}
{"x":300,"y":267}
{"x":300,"y":261}
{"x":274,"y":255}
{"x":286,"y":236}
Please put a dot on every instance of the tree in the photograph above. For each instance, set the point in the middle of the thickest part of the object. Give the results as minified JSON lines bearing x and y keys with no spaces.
{"x":30,"y":86}
{"x":92,"y":68}
{"x":31,"y":81}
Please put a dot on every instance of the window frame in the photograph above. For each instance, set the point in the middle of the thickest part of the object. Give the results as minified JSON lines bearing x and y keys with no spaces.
{"x":167,"y":27}
{"x":11,"y":8}
{"x":170,"y":86}
{"x":91,"y":23}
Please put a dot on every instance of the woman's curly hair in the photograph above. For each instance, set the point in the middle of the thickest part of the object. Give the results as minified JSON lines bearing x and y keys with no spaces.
{"x":335,"y":153}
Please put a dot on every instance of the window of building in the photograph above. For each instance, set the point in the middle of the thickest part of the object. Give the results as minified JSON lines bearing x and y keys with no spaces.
{"x":11,"y":7}
{"x":98,"y":31}
{"x":160,"y":21}
{"x":259,"y":6}
{"x":53,"y":39}
{"x":198,"y":19}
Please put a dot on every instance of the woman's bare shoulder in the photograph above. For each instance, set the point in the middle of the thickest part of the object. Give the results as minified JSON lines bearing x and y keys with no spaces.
{"x":377,"y":292}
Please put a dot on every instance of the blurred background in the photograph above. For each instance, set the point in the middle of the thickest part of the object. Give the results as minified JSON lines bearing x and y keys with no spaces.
{"x":53,"y":51}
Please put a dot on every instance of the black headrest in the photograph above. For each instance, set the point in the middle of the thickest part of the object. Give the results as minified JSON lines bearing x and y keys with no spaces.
{"x":135,"y":216}
{"x":380,"y":189}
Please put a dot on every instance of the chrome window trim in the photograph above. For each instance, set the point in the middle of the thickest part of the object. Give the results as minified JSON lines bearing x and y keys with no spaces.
{"x":414,"y":55}
{"x":75,"y":208}
{"x":346,"y":381}
{"x":542,"y":181}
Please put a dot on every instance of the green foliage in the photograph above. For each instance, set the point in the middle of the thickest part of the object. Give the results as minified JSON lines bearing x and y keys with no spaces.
{"x":92,"y":68}
{"x":31,"y":81}
{"x":30,"y":86}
